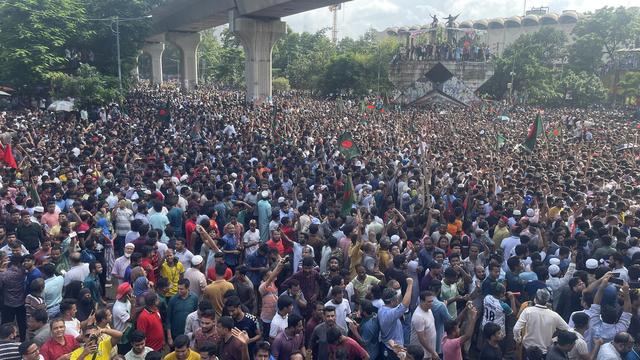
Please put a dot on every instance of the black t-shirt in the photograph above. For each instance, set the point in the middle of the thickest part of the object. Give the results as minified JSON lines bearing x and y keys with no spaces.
{"x":490,"y":353}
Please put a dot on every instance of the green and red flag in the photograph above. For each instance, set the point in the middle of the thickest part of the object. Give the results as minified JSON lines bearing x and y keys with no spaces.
{"x":349,"y":197}
{"x":347,"y":147}
{"x":532,"y":136}
{"x":164,"y":114}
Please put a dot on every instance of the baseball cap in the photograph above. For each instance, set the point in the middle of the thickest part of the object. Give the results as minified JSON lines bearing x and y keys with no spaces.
{"x":123,"y":289}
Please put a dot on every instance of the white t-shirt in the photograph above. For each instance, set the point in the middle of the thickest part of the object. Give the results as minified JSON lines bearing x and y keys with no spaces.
{"x":72,"y":327}
{"x":121,"y":314}
{"x":342,"y":311}
{"x":76,"y":273}
{"x":608,"y":352}
{"x":249,"y":237}
{"x":423,"y":321}
{"x":278,"y":324}
{"x":494,"y":311}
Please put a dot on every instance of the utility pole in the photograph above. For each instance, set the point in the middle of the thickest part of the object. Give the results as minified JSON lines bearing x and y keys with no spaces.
{"x":117,"y":20}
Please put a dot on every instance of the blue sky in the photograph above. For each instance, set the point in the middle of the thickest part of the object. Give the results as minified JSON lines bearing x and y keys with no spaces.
{"x":357,"y":16}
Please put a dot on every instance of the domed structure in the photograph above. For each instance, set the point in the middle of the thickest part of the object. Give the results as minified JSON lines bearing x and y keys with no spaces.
{"x":512,"y":22}
{"x":530,"y":20}
{"x":392,"y":31}
{"x":414,"y":28}
{"x":549,"y":19}
{"x":568,"y":17}
{"x":496,"y":23}
{"x":403,"y":30}
{"x":467,"y":24}
{"x":481,"y":25}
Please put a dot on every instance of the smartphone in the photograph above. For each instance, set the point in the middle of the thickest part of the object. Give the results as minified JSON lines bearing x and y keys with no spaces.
{"x":615,"y":275}
{"x":616,"y":281}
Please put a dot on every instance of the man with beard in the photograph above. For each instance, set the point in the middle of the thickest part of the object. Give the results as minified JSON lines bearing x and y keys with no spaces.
{"x":244,"y":321}
{"x":290,"y":340}
{"x":310,"y":281}
{"x":207,"y":332}
{"x":318,"y":343}
{"x":120,"y":265}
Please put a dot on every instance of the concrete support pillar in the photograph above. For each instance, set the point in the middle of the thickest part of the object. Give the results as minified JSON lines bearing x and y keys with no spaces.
{"x":155,"y":50}
{"x":188,"y":43}
{"x":258,"y":37}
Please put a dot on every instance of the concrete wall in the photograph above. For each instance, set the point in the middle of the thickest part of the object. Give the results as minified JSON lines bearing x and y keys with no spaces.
{"x":404,"y":74}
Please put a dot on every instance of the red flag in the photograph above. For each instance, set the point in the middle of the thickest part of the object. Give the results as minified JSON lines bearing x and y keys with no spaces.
{"x":8,"y":157}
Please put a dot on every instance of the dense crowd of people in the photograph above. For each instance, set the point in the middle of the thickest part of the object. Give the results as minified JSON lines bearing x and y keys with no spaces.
{"x":222,"y":230}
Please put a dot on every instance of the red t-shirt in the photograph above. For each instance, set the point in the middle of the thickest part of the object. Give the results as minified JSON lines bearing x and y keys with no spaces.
{"x":276,"y":245}
{"x":211,"y":274}
{"x":189,"y":228}
{"x":452,"y":348}
{"x":148,"y":267}
{"x":51,"y":350}
{"x":151,"y":324}
{"x":351,"y":347}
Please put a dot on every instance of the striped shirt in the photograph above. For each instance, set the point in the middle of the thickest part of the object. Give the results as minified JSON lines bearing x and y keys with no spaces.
{"x":9,"y":350}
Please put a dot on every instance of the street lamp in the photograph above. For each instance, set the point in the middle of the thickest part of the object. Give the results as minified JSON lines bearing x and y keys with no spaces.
{"x":117,"y":20}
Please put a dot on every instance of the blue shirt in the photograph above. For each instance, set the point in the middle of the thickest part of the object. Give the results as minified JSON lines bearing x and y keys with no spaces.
{"x":440,"y":316}
{"x":370,"y":333}
{"x":31,"y":275}
{"x":255,"y":260}
{"x":390,"y":326}
{"x":230,"y":243}
{"x":175,"y":219}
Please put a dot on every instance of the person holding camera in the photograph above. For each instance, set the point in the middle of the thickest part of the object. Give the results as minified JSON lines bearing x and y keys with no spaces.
{"x":94,"y":348}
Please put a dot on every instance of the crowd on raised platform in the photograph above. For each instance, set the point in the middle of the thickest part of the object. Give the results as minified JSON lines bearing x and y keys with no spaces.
{"x":444,"y":52}
{"x":190,"y":225}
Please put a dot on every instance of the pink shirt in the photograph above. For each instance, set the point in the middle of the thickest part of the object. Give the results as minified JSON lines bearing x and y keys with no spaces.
{"x":50,"y":220}
{"x":452,"y":348}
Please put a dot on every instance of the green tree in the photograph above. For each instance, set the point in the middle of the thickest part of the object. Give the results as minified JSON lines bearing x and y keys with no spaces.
{"x":230,"y":68}
{"x":581,"y":89}
{"x":87,"y":86}
{"x":532,"y":60}
{"x":209,"y":55}
{"x":102,"y":45}
{"x":609,"y":29}
{"x":34,"y":36}
{"x":281,"y":84}
{"x":630,"y":85}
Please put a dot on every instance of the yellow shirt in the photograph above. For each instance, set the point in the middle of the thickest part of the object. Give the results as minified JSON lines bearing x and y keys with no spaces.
{"x":172,"y":273}
{"x":103,"y":353}
{"x":192,"y":356}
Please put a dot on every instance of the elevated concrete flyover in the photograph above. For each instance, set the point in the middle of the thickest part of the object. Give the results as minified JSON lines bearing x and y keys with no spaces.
{"x":256,"y":23}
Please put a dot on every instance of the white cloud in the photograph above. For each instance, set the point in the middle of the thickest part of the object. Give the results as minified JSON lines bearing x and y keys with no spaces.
{"x":357,"y":16}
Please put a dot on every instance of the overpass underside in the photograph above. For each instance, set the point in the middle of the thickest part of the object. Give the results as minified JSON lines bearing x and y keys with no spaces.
{"x":256,"y":23}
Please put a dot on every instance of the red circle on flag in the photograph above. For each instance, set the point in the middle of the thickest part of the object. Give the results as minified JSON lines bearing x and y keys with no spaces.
{"x":163,"y":112}
{"x":346,"y":144}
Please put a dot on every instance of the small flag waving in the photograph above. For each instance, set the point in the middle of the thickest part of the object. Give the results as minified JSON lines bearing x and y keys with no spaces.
{"x":500,"y":140}
{"x":348,"y":198}
{"x":534,"y":130}
{"x":163,"y":112}
{"x":347,"y":147}
{"x":8,"y":157}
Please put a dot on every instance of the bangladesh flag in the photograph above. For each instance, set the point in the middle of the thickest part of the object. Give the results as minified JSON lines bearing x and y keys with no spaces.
{"x":163,"y":112}
{"x":553,"y":132}
{"x":534,"y":130}
{"x":347,"y":147}
{"x":349,"y":197}
{"x":500,"y":140}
